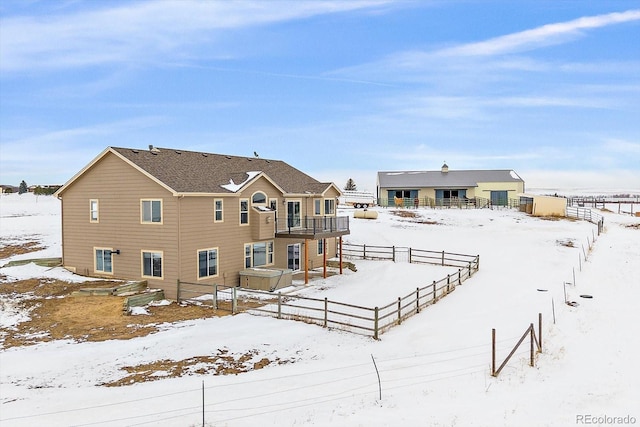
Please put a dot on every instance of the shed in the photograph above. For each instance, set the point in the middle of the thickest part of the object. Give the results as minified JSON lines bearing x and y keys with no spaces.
{"x":538,"y":205}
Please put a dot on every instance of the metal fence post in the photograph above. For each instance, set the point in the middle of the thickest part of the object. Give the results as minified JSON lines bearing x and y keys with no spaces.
{"x":442,"y":257}
{"x":399,"y":310}
{"x":410,"y":254}
{"x":417,"y":300}
{"x":393,"y":253}
{"x":178,"y":291}
{"x":435,"y":296}
{"x":215,"y":296}
{"x":493,"y":352}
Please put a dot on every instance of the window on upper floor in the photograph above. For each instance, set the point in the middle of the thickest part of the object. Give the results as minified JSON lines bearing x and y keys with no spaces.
{"x":93,"y":211}
{"x":317,"y":207}
{"x":329,"y":206}
{"x":244,"y":211}
{"x":217,"y":208}
{"x":259,"y":198}
{"x":207,"y":263}
{"x":151,"y":211}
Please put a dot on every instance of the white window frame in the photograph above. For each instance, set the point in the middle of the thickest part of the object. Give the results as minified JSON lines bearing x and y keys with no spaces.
{"x":152,"y":252}
{"x":216,"y":210}
{"x":94,"y":211}
{"x":266,"y":199}
{"x":246,"y":212}
{"x":151,"y":221}
{"x":207,"y":250}
{"x":331,"y":204}
{"x":273,"y":204}
{"x":249,"y":255}
{"x":95,"y":260}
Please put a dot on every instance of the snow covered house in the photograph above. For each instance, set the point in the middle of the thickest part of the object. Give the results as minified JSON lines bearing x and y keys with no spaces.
{"x":169,"y":216}
{"x":446,"y":187}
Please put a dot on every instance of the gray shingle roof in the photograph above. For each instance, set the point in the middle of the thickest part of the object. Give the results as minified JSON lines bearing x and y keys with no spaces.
{"x":455,"y":178}
{"x":196,"y":172}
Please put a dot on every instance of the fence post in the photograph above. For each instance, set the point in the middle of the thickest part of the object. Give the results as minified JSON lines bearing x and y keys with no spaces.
{"x":442,"y":257}
{"x":215,"y":296}
{"x":399,"y":310}
{"x":470,"y":273}
{"x":448,"y":283}
{"x":410,"y":261}
{"x":393,"y":253}
{"x":375,"y":323}
{"x":539,"y":332}
{"x":493,"y":352}
{"x":532,"y":337}
{"x":178,"y":291}
{"x":459,"y":276}
{"x":417,"y":300}
{"x":435,"y":295}
{"x":279,"y":305}
{"x":364,"y":251}
{"x":326,"y":306}
{"x":234,"y":300}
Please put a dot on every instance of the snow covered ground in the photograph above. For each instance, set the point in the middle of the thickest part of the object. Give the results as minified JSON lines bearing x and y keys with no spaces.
{"x":434,"y":368}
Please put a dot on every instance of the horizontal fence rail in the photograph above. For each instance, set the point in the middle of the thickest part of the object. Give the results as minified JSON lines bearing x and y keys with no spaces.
{"x":372,"y":321}
{"x":586,"y":215}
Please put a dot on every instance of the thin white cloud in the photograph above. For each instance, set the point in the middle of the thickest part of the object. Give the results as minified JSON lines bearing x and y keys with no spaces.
{"x":545,"y":35}
{"x":622,"y":146}
{"x":142,"y":30}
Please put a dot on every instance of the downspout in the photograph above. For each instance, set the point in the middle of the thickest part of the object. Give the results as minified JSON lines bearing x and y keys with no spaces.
{"x":62,"y":227}
{"x":306,"y":261}
{"x":180,"y":197}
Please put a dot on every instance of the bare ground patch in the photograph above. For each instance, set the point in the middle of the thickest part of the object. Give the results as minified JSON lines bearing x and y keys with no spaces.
{"x":55,"y":314}
{"x":7,"y":250}
{"x":223,"y":363}
{"x":413,"y":216}
{"x":636,"y":226}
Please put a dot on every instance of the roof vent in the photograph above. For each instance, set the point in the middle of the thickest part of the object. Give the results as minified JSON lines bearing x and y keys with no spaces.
{"x":135,"y":151}
{"x":205,"y":155}
{"x":445,"y":168}
{"x":153,"y":149}
{"x":178,"y":152}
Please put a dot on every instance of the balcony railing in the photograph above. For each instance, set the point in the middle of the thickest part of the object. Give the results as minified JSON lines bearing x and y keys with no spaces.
{"x":316,"y":225}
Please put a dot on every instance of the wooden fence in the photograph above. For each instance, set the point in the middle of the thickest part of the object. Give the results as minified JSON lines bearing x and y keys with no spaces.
{"x":371,"y":321}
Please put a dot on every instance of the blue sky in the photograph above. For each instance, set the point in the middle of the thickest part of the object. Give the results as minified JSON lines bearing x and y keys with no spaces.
{"x":338,"y":89}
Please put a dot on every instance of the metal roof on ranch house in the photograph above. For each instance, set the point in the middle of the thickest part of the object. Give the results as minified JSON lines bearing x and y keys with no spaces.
{"x":442,"y":179}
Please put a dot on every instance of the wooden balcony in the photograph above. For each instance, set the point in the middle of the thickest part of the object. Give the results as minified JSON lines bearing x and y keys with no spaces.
{"x":314,"y":228}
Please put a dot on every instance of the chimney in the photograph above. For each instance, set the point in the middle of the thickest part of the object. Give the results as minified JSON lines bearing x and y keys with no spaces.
{"x":445,"y":168}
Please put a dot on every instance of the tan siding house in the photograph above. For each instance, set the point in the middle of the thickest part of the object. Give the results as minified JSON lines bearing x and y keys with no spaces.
{"x":447,"y":187}
{"x":168,"y":215}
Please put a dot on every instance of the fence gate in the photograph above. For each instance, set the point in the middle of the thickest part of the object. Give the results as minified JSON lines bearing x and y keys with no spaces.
{"x":401,"y":254}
